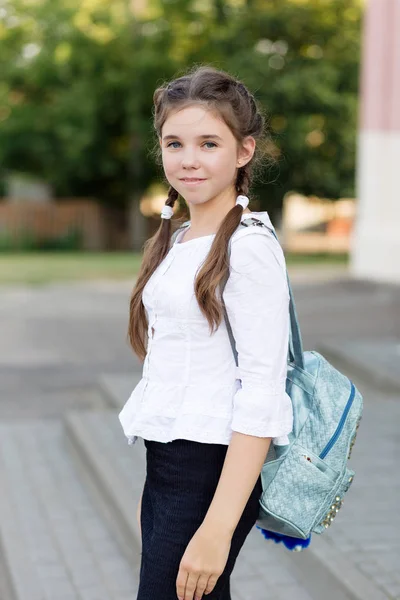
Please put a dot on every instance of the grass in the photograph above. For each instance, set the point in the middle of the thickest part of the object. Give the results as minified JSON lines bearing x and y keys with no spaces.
{"x":44,"y":267}
{"x":317,"y":259}
{"x":37,"y":268}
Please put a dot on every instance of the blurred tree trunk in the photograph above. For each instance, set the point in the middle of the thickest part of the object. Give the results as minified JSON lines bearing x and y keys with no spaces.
{"x":220,"y":15}
{"x":116,"y":228}
{"x":138,"y":226}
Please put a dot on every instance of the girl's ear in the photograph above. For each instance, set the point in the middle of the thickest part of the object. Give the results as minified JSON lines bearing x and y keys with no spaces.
{"x":247,"y":150}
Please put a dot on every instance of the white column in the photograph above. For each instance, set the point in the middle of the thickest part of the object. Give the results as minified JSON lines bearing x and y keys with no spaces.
{"x":376,"y":236}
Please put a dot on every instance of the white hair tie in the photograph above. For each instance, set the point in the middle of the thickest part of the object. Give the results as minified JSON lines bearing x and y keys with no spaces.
{"x":167,"y":212}
{"x":243,"y":200}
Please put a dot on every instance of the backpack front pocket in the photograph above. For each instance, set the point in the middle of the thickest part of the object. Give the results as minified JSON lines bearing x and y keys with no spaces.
{"x":301,"y":484}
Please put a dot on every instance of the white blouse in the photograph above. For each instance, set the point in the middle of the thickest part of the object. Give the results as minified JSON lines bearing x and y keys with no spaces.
{"x":191,"y":387}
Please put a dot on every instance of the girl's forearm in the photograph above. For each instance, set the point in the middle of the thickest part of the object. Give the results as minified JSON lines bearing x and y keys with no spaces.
{"x":244,"y":459}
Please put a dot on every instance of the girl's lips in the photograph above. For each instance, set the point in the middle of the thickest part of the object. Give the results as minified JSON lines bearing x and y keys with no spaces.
{"x":192,"y":181}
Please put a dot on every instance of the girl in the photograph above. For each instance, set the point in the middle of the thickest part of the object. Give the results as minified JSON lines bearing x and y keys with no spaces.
{"x":207,"y":424}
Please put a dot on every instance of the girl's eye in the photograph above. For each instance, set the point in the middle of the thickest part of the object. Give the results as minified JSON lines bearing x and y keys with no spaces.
{"x":170,"y":144}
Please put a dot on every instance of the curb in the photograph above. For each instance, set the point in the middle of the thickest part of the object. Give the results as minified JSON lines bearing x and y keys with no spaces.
{"x":328,"y":558}
{"x":370,"y":374}
{"x":20,"y":579}
{"x":116,"y":501}
{"x":116,"y":388}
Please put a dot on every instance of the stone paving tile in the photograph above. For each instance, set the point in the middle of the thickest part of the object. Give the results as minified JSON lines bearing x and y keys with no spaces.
{"x":73,"y":553}
{"x":375,"y":358}
{"x":254,"y":589}
{"x":114,"y":444}
{"x":366,"y":531}
{"x":261,"y":561}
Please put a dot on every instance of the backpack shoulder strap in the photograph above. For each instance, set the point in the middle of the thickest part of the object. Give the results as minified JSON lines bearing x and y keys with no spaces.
{"x":295,"y":341}
{"x":176,"y":232}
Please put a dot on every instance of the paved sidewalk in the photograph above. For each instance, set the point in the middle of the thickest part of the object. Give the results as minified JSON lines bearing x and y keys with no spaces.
{"x":376,"y":360}
{"x":362,"y":547}
{"x":56,"y":545}
{"x":56,"y":343}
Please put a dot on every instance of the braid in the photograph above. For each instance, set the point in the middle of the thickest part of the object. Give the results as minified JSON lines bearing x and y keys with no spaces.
{"x":243,"y":180}
{"x":172,"y":197}
{"x":243,"y":91}
{"x":166,"y":225}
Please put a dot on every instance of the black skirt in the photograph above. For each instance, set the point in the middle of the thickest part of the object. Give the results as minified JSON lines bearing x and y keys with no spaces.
{"x":181,"y":479}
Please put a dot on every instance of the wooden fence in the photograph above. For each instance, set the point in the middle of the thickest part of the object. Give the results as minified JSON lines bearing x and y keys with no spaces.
{"x":46,"y":221}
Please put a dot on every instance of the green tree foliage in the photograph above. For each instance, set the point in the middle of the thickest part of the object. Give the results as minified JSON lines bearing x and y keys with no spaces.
{"x":76,"y":93}
{"x":77,"y":79}
{"x":301,"y":59}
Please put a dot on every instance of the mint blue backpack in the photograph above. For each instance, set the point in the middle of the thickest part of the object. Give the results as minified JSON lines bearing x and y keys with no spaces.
{"x":304,"y":482}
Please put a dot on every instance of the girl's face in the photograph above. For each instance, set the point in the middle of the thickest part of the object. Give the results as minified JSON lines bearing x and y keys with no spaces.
{"x":198,"y":146}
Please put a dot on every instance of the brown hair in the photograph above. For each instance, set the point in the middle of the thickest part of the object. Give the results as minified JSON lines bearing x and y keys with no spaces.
{"x":231,"y":100}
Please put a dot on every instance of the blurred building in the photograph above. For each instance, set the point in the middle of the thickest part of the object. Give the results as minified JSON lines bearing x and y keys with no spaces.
{"x":311,"y":224}
{"x":22,"y":187}
{"x":376,"y":239}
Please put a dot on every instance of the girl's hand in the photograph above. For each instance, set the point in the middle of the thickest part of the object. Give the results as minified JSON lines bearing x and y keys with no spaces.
{"x":203,"y":562}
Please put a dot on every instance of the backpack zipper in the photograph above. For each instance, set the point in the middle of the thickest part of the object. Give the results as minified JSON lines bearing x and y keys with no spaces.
{"x":341,"y":423}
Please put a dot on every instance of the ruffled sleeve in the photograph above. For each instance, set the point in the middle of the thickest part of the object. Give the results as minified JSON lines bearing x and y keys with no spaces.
{"x":256,"y":297}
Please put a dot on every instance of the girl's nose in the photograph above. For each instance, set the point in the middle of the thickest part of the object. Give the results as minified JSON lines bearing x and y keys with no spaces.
{"x":190,"y":160}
